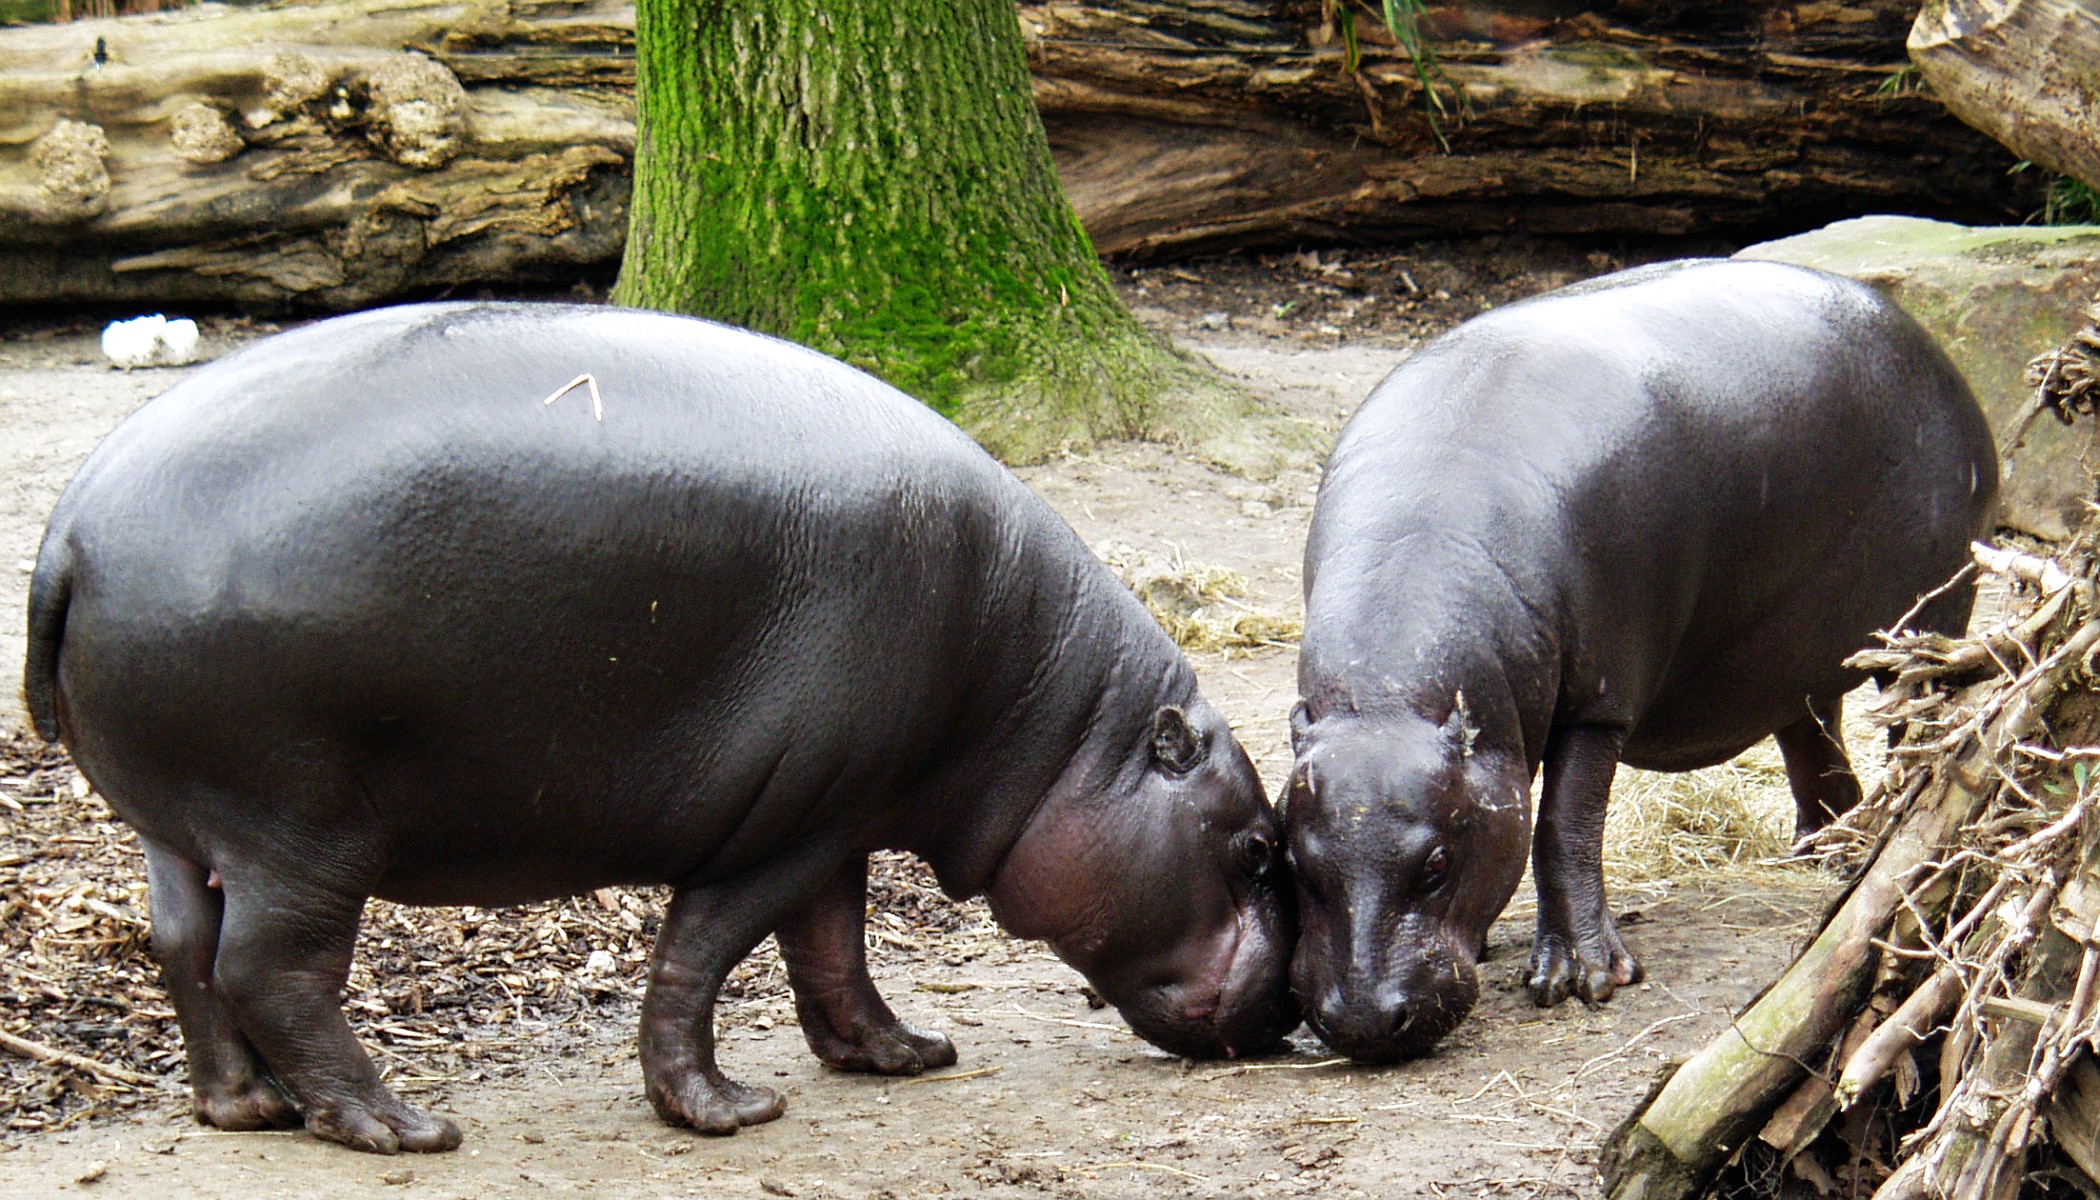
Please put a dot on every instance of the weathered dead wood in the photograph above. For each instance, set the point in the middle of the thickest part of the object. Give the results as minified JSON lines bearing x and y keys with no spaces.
{"x":2076,"y":1116}
{"x":38,"y":1051}
{"x":2021,"y":71}
{"x":1726,"y":1092}
{"x":328,"y":155}
{"x":337,"y":153}
{"x":1235,"y":121}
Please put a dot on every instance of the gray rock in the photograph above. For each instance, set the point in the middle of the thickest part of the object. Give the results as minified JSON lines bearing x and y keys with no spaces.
{"x":1995,"y":297}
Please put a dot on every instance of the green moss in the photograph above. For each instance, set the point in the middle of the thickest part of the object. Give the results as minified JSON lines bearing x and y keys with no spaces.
{"x":1865,"y":245}
{"x":20,"y":12}
{"x":873,"y":181}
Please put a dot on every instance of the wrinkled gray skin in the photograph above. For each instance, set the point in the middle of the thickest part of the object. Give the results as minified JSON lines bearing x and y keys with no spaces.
{"x":1640,"y":520}
{"x":351,"y":613}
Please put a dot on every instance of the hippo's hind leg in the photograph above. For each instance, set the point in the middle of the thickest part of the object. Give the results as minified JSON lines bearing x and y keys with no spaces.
{"x":284,"y":956}
{"x":843,"y":1016}
{"x":1577,"y":951}
{"x":1817,"y":768}
{"x":227,"y":1081}
{"x":707,"y":931}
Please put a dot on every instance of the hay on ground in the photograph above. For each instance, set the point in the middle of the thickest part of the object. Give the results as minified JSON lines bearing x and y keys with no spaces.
{"x":1202,"y":607}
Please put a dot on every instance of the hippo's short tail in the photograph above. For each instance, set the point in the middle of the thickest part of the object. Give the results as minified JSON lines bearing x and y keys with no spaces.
{"x":50,"y":591}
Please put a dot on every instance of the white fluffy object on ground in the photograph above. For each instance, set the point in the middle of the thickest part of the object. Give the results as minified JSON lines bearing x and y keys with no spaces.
{"x":152,"y":341}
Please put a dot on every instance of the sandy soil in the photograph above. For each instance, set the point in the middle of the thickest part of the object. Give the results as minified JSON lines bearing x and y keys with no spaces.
{"x":1052,"y":1097}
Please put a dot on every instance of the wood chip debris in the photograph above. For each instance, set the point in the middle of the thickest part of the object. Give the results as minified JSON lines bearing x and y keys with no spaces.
{"x":437,"y":994}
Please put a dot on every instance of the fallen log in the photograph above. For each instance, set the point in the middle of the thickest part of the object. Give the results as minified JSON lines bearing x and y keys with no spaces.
{"x":334,"y":154}
{"x":1236,"y":122}
{"x":2021,"y":71}
{"x":327,"y":155}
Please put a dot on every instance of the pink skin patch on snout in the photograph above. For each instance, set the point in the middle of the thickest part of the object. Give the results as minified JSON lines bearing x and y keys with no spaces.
{"x":1206,"y":1011}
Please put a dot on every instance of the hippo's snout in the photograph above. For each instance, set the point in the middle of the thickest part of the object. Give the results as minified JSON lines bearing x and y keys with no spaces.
{"x":1392,"y":1016}
{"x":1255,"y":1005}
{"x":1241,"y":1005}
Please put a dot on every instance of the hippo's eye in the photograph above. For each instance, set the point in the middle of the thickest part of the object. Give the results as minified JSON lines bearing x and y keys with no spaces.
{"x":1433,"y":868}
{"x":1257,"y":853}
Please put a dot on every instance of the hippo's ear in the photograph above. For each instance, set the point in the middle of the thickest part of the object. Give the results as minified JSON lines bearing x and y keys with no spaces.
{"x":1175,"y":746}
{"x":1459,"y":730}
{"x":1301,"y":720}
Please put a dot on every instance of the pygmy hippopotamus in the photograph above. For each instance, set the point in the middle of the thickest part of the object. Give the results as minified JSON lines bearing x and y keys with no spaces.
{"x":1643,"y":519}
{"x":354,"y":613}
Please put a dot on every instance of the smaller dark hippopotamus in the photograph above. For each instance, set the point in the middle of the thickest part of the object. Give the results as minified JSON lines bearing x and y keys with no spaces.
{"x":1644,"y":519}
{"x":354,"y":613}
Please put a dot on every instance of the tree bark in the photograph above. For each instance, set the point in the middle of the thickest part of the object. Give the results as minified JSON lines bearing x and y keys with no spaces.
{"x":1184,"y":126}
{"x":335,"y":154}
{"x":873,"y":181}
{"x":2021,"y":71}
{"x":317,"y":156}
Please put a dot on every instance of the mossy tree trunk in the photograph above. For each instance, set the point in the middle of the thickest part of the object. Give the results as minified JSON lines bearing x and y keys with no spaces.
{"x":872,"y":180}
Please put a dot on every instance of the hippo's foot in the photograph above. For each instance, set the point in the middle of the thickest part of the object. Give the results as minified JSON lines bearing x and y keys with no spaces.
{"x":885,"y":1048}
{"x":1589,"y":968}
{"x":848,"y":1026}
{"x":712,"y":1103}
{"x":385,"y":1127}
{"x":246,"y":1104}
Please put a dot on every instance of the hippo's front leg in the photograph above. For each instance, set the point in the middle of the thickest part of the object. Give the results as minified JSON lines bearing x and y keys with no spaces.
{"x":227,"y":1084}
{"x":1577,"y":951}
{"x":843,"y":1016}
{"x":706,"y":932}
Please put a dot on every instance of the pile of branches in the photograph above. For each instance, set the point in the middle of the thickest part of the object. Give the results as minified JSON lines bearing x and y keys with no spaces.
{"x":438,"y":995}
{"x":1938,"y":1036}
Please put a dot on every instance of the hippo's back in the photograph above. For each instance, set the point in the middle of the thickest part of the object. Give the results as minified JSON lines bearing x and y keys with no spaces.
{"x":372,"y":544}
{"x":327,"y":408}
{"x":1709,"y":482}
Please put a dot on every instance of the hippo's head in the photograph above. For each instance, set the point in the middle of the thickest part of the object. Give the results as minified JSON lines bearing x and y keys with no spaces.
{"x":1163,"y":883}
{"x":1406,"y":840}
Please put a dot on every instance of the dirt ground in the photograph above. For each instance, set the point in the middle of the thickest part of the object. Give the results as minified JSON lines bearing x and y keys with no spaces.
{"x":1052,"y":1097}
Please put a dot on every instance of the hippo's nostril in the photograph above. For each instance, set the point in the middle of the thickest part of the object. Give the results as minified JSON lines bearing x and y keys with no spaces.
{"x":1380,"y":1029}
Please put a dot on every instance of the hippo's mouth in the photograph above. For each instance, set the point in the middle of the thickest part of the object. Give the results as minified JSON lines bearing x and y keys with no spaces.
{"x":1410,"y":1038}
{"x":1248,"y":1008}
{"x":1203,"y":1011}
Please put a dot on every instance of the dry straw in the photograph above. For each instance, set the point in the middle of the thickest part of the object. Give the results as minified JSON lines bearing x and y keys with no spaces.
{"x":1202,"y":607}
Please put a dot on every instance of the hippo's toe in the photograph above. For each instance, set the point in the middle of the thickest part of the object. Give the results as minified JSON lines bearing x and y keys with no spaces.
{"x":254,"y":1103}
{"x":1591,"y":972}
{"x":244,"y":1106}
{"x":714,"y":1104}
{"x":892,"y":1049}
{"x":388,"y":1128}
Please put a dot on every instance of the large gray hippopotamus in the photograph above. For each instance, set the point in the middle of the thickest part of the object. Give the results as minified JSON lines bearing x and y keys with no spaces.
{"x":1643,"y":519}
{"x":354,"y":613}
